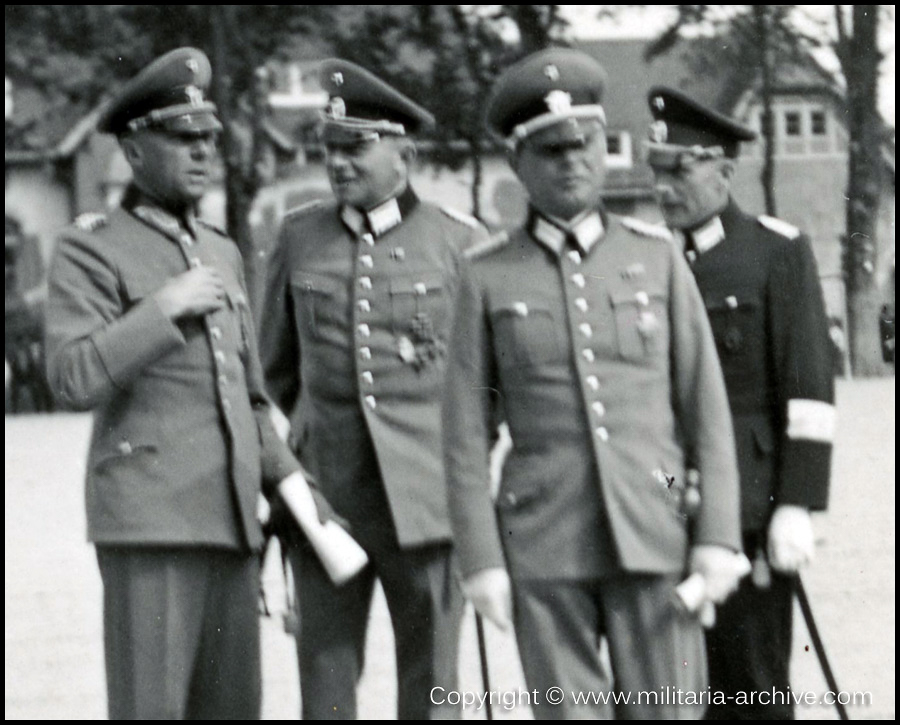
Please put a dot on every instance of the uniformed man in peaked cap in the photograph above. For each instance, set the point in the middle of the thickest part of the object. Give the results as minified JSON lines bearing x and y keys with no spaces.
{"x":591,"y":330}
{"x":762,"y":294}
{"x":148,"y":326}
{"x":355,"y":340}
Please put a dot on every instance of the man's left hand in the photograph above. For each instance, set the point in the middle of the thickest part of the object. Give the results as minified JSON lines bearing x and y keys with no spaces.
{"x":722,"y":569}
{"x":791,"y":540}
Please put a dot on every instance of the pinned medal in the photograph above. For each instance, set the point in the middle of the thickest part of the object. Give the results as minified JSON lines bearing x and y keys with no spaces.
{"x":406,"y":349}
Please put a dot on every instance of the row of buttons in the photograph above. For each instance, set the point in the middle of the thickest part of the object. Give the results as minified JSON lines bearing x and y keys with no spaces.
{"x":363,"y":329}
{"x":587,"y":331}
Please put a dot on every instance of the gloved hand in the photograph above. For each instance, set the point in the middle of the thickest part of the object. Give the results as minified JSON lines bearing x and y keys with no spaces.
{"x":791,"y":540}
{"x":490,"y":592}
{"x":722,"y":569}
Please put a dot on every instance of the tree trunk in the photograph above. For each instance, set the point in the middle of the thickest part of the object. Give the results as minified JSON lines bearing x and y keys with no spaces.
{"x":860,"y":59}
{"x":764,"y":38}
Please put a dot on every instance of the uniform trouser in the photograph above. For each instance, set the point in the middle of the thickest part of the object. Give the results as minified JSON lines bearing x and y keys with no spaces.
{"x":654,"y":650}
{"x":181,"y":633}
{"x":425,"y":605}
{"x":749,"y":652}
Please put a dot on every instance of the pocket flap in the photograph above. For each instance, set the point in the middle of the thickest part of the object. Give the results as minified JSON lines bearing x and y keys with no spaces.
{"x":313,"y":282}
{"x":629,"y":296}
{"x":420,"y":284}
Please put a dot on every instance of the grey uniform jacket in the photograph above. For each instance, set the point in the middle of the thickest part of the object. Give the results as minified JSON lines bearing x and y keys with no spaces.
{"x":607,"y":374}
{"x":354,"y":345}
{"x":182,"y":439}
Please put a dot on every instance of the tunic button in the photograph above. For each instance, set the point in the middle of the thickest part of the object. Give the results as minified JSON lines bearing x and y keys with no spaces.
{"x":365,"y":353}
{"x":398,"y":253}
{"x":578,"y":279}
{"x":603,"y":434}
{"x":581,"y":304}
{"x":367,"y":261}
{"x":575,"y":257}
{"x":368,"y":239}
{"x":365,"y":282}
{"x":599,"y":409}
{"x":593,"y":382}
{"x":125,"y":448}
{"x":220,"y":357}
{"x":420,"y":289}
{"x":586,"y":329}
{"x":365,"y":306}
{"x":588,"y":354}
{"x":371,"y":402}
{"x":511,"y":499}
{"x":195,"y":262}
{"x":186,"y":240}
{"x":216,"y":332}
{"x":364,"y":330}
{"x":642,"y":298}
{"x":367,"y":377}
{"x":223,"y":380}
{"x":226,"y":405}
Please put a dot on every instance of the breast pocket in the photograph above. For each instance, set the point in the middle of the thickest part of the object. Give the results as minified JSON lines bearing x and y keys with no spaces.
{"x":642,"y":323}
{"x":525,"y":333}
{"x":736,"y":323}
{"x":316,"y":299}
{"x":419,"y":306}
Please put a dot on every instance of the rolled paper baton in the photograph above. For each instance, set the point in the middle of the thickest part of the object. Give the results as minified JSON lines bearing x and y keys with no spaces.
{"x":340,"y":554}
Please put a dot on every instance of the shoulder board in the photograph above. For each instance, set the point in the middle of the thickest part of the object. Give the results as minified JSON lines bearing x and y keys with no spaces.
{"x":213,"y":227}
{"x":779,"y":226}
{"x":460,"y":217}
{"x":303,"y":208}
{"x":646,"y":229}
{"x":91,"y":221}
{"x":482,"y":249}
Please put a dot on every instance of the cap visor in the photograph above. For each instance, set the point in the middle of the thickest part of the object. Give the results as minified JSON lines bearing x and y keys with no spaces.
{"x":200,"y":122}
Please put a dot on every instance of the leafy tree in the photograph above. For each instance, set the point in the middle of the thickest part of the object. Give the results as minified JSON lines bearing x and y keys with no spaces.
{"x":447,"y":57}
{"x":750,"y":43}
{"x":77,"y":54}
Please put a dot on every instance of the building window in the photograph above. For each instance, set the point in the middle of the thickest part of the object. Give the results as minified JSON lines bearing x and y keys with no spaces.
{"x":792,"y":123}
{"x":618,"y":150}
{"x":818,"y":123}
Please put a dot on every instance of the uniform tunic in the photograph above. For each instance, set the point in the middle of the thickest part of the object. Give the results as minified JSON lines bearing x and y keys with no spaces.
{"x":608,"y":377}
{"x":761,"y":289}
{"x":354,"y":343}
{"x":181,"y":440}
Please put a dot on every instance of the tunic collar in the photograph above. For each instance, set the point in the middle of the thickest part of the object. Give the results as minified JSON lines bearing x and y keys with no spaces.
{"x":381,"y":219}
{"x":553,"y":233}
{"x":700,"y":240}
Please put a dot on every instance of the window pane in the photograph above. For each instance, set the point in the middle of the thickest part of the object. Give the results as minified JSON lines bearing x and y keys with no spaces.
{"x":792,"y":123}
{"x":818,"y":123}
{"x":613,"y":143}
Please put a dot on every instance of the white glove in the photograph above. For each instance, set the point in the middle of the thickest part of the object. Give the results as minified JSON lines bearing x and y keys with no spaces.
{"x":490,"y":592}
{"x":722,"y":569}
{"x":791,"y":539}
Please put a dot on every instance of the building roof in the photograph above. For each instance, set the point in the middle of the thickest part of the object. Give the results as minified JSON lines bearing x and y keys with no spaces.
{"x":45,"y":128}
